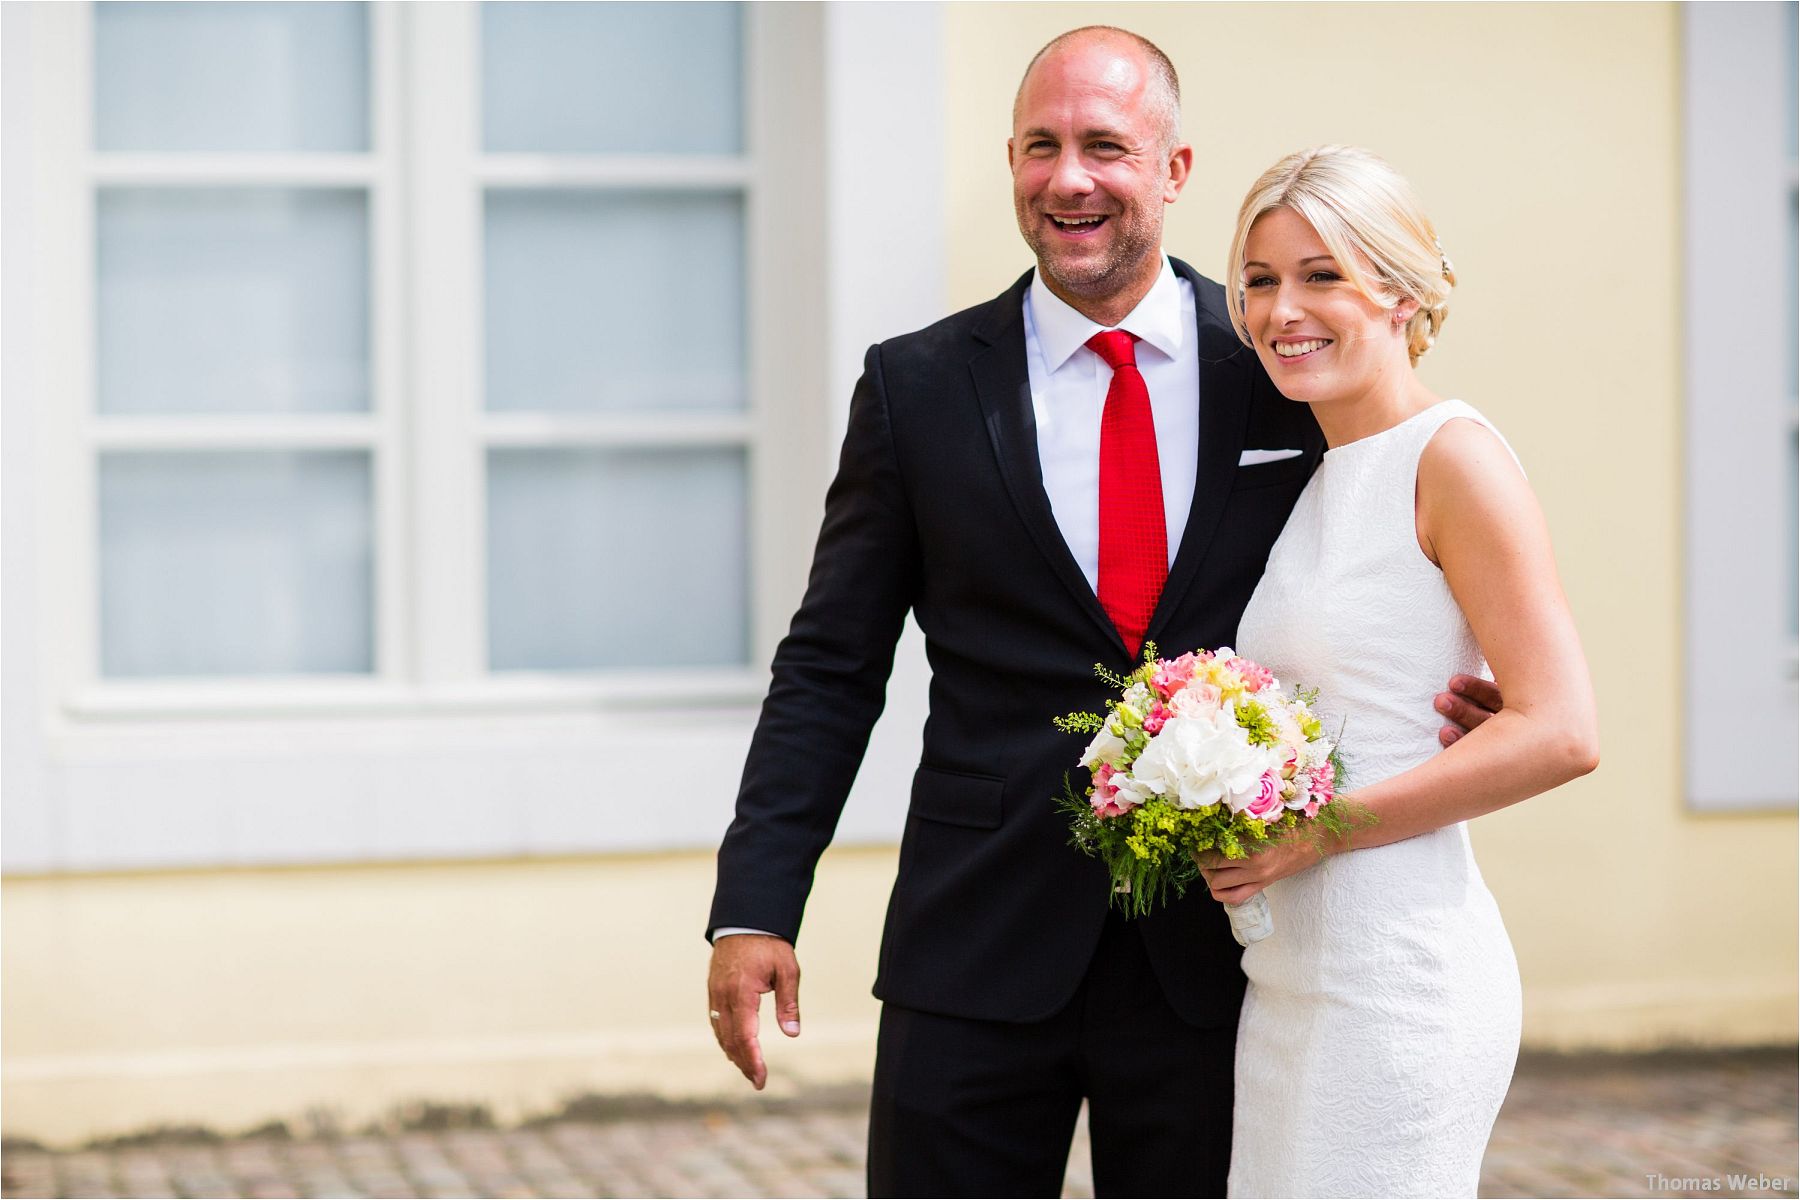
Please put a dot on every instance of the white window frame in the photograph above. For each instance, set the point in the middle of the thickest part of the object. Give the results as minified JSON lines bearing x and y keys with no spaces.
{"x":379,"y":432}
{"x":1741,"y":712}
{"x":430,"y":757}
{"x":428,"y":457}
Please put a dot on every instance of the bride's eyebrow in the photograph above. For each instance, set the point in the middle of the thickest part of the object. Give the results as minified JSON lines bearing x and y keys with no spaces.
{"x":1315,"y":258}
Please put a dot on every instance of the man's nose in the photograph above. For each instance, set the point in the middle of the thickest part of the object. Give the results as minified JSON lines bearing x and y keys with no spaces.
{"x":1071,"y":178}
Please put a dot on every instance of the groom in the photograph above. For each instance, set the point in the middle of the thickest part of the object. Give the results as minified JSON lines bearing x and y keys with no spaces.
{"x":1043,"y":495}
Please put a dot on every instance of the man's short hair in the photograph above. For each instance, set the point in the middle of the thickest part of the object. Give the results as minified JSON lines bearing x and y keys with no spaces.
{"x":1165,"y":87}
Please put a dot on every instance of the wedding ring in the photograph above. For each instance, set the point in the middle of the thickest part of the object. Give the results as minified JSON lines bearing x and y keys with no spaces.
{"x":715,"y":1014}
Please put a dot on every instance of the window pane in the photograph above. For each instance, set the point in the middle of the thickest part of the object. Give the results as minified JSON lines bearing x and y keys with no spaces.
{"x":233,"y":300}
{"x":612,"y":78}
{"x":253,"y":563}
{"x":1791,"y":258}
{"x":1791,"y":357}
{"x":231,"y":76}
{"x":1790,"y":544}
{"x":601,"y":301}
{"x":606,"y":558}
{"x":1790,"y":35}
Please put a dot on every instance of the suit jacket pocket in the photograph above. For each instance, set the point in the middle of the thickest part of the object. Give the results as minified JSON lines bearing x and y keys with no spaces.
{"x":955,"y":798}
{"x":1285,"y":470}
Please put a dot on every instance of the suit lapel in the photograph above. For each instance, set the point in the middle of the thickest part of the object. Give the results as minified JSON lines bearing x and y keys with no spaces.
{"x":1224,"y":419}
{"x":1003,"y":386}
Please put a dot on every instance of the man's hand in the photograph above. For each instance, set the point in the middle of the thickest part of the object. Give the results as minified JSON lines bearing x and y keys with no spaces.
{"x":744,"y":966}
{"x":1235,"y":880}
{"x":1470,"y":701}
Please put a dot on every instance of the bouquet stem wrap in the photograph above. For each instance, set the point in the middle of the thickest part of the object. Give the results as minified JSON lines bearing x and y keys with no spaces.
{"x":1251,"y":921}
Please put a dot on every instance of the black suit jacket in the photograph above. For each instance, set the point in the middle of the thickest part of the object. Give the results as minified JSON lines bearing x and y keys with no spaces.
{"x":939,"y":507}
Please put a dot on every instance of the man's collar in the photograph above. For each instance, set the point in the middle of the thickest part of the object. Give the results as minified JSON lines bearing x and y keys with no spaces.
{"x":1061,"y":331}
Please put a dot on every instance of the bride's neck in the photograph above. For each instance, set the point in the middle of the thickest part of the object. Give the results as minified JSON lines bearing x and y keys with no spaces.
{"x":1350,"y":418}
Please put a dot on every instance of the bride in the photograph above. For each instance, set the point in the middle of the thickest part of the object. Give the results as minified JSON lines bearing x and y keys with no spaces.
{"x":1382,"y":1020}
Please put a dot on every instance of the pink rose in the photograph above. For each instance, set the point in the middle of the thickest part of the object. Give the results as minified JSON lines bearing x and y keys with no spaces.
{"x":1172,"y":673}
{"x":1256,"y":676}
{"x":1207,"y":693}
{"x":1266,"y":804}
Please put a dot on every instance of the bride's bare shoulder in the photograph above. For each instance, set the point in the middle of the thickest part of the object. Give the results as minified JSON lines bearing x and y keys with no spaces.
{"x":1470,"y":485}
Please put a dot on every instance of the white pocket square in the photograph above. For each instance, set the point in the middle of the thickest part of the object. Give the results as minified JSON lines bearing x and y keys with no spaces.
{"x":1251,"y":458}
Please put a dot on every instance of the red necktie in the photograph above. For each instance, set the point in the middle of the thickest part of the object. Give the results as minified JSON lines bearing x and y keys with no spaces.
{"x":1134,"y":545}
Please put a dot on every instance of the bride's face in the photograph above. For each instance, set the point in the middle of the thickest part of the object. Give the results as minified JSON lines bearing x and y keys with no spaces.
{"x":1319,"y":338}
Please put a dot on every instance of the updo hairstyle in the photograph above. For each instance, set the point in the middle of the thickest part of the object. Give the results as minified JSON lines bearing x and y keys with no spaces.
{"x":1368,"y":217}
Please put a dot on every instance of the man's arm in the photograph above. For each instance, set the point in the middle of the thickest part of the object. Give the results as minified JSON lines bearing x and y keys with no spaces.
{"x":828,"y":687}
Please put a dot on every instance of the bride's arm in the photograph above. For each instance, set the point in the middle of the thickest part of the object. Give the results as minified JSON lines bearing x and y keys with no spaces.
{"x":1478,"y":520}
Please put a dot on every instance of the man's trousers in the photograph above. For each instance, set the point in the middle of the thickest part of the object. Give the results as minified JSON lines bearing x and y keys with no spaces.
{"x":965,"y":1107}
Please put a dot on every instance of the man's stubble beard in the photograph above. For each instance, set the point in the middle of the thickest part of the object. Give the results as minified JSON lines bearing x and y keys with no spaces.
{"x":1098,"y":278}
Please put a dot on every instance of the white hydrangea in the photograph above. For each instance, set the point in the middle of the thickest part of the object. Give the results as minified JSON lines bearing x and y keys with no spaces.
{"x":1200,"y":760}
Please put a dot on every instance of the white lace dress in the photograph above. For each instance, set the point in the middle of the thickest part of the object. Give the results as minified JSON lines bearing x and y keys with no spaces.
{"x":1382,"y":1021}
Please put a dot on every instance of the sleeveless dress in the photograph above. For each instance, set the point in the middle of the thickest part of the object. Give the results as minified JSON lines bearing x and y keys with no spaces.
{"x":1381,"y":1024}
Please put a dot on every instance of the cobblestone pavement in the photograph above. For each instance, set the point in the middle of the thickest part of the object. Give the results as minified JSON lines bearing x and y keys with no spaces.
{"x":1662,"y":1125}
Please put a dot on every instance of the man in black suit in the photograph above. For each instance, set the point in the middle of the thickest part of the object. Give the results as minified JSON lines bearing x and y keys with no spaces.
{"x":970,"y":491}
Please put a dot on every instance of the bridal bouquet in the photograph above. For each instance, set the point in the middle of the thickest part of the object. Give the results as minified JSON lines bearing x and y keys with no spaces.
{"x":1203,"y":752}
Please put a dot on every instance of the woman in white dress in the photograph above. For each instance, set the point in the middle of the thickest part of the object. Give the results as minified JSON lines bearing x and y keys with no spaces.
{"x":1381,"y":1025}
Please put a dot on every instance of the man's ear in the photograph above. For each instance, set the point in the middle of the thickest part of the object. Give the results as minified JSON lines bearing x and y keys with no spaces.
{"x":1181,"y":164}
{"x":1009,"y":156}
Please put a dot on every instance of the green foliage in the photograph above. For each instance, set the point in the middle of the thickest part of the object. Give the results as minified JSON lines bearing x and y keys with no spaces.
{"x":1340,"y":774}
{"x":1258,"y":726}
{"x":1079,"y":722}
{"x":1149,"y":851}
{"x":1309,"y":724}
{"x":1141,"y":849}
{"x":1113,"y":679}
{"x":1141,"y":674}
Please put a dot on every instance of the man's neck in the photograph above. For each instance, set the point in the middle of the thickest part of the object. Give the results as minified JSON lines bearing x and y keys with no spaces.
{"x":1117,"y":303}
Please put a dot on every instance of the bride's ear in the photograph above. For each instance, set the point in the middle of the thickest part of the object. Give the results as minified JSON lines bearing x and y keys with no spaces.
{"x":1404,"y":310}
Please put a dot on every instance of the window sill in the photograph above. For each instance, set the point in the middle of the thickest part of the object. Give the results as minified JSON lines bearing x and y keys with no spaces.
{"x":349,"y":696}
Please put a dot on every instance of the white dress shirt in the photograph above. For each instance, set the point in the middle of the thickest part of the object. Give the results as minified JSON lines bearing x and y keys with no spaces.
{"x":1068,"y":396}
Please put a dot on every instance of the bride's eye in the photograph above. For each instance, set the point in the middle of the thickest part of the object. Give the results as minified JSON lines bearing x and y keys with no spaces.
{"x":1323,"y":277}
{"x":1259,"y":281}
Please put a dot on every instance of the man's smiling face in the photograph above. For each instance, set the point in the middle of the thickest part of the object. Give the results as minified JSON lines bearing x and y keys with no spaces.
{"x":1092,"y":168}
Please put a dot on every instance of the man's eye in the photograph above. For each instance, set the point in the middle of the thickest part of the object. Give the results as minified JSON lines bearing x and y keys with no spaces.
{"x":1108,"y":147}
{"x":1039,"y":144}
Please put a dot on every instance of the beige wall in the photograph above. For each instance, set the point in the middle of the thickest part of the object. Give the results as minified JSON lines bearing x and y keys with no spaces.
{"x":1544,"y":140}
{"x":229,"y":998}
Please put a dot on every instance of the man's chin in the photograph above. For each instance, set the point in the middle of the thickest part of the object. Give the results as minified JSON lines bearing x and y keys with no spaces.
{"x":1084,"y":276}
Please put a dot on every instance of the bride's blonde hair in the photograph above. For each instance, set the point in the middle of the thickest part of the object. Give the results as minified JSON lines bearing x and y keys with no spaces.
{"x":1368,"y":217}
